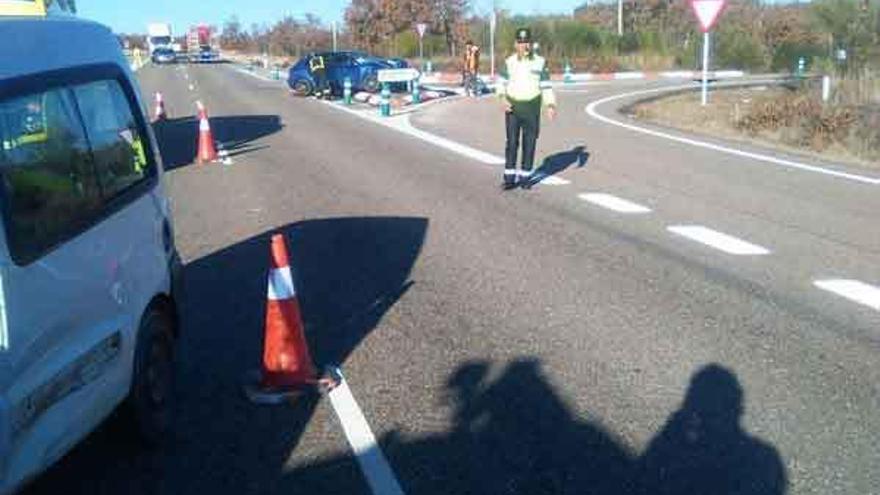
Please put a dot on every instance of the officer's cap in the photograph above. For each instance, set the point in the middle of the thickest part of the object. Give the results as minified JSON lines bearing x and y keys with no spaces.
{"x":523,"y":35}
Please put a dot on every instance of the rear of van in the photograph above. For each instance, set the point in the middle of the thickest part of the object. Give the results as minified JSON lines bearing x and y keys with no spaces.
{"x":87,"y":256}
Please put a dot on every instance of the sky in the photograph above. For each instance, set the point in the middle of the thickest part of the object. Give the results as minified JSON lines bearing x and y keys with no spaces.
{"x":132,"y":17}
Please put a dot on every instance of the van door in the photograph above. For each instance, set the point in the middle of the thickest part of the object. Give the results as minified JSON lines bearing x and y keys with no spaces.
{"x":63,"y":322}
{"x":86,"y":239}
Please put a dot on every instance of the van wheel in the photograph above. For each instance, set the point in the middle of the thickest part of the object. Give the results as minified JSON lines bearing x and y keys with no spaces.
{"x":147,"y":410}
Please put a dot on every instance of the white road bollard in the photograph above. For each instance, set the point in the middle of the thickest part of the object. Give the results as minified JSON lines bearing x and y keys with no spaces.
{"x":567,"y":76}
{"x":346,"y":91}
{"x":416,"y":96}
{"x":385,"y":101}
{"x":826,"y":88}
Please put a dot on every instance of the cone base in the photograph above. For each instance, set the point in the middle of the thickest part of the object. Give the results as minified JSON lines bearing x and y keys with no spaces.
{"x":260,"y":394}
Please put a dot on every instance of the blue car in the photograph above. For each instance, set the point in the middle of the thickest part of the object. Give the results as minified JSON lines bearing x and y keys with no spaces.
{"x":360,"y":68}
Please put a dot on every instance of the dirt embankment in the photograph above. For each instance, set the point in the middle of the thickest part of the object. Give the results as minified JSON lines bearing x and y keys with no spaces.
{"x":792,"y":118}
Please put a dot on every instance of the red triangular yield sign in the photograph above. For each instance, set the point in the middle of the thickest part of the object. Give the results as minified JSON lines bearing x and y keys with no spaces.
{"x":707,"y":12}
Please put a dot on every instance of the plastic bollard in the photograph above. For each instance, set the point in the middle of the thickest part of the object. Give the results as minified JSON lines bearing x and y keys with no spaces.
{"x":385,"y":101}
{"x":346,"y":91}
{"x":416,"y":94}
{"x":567,"y":76}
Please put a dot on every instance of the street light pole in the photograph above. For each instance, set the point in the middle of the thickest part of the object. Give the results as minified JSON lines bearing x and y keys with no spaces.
{"x":620,"y":17}
{"x":334,"y":36}
{"x":492,"y":23}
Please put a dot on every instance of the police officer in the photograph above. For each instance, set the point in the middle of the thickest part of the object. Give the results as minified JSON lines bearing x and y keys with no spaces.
{"x":525,"y":89}
{"x":319,"y":73}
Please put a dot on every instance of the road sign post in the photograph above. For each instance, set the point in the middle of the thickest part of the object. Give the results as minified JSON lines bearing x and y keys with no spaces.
{"x":421,"y":28}
{"x":707,"y":12}
{"x":705,"y":89}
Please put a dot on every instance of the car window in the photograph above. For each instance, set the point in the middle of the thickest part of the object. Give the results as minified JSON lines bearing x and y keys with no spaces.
{"x":117,"y":145}
{"x":47,"y":177}
{"x":339,"y":59}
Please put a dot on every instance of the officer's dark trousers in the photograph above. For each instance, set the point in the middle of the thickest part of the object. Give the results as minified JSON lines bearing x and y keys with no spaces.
{"x":523,"y":124}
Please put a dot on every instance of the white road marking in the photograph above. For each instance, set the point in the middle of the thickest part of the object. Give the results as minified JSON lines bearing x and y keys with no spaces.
{"x":402,"y":124}
{"x":591,"y":110}
{"x":614,"y":203}
{"x":372,"y":461}
{"x":254,"y":74}
{"x":552,"y":180}
{"x":854,"y":290}
{"x":718,"y":240}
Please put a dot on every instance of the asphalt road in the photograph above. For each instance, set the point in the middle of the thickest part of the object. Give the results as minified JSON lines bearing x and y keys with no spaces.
{"x":523,"y":342}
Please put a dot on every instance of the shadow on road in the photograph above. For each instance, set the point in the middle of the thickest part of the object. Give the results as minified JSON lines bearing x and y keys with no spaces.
{"x":348,"y":272}
{"x":559,"y":162}
{"x":178,"y":138}
{"x":515,"y":435}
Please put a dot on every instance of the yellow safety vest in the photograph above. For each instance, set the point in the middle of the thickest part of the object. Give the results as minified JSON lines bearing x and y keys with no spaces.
{"x":316,"y":63}
{"x":524,"y":79}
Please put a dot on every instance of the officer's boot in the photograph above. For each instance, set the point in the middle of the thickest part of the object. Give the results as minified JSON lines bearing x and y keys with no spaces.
{"x":509,"y":179}
{"x":526,"y":180}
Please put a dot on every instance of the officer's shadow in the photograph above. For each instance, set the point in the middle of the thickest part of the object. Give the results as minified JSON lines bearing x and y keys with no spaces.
{"x":558,"y":162}
{"x":516,"y":435}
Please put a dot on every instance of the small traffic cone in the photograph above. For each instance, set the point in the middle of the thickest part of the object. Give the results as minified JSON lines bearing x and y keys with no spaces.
{"x":159,"y":114}
{"x":207,"y":150}
{"x":287,"y":369}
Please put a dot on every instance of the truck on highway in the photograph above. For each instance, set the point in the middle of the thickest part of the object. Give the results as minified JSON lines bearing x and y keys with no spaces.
{"x":159,"y":36}
{"x":200,"y":44}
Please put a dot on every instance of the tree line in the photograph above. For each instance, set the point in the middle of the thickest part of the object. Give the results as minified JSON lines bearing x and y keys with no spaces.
{"x":658,"y":34}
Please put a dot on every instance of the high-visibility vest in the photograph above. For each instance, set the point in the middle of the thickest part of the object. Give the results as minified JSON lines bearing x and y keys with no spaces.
{"x":526,"y":78}
{"x":316,"y":63}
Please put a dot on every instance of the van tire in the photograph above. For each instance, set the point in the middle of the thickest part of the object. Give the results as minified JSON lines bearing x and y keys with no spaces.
{"x":147,"y":409}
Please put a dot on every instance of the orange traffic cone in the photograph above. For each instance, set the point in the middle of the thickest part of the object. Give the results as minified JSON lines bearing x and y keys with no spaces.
{"x":207,"y":150}
{"x":287,"y":367}
{"x":159,"y":114}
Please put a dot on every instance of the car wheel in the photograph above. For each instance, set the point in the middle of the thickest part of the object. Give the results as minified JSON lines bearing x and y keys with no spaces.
{"x":302,"y":87}
{"x":147,"y":410}
{"x":371,"y":83}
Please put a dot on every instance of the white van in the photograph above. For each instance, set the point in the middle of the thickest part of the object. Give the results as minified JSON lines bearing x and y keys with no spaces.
{"x":88,"y":264}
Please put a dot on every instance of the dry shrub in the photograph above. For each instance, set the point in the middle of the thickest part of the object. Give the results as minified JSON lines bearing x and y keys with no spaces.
{"x":801,"y":119}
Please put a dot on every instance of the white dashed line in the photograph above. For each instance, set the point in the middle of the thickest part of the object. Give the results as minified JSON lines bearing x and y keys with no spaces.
{"x":372,"y":461}
{"x":614,"y":203}
{"x":854,"y":290}
{"x":591,"y":110}
{"x":718,"y":240}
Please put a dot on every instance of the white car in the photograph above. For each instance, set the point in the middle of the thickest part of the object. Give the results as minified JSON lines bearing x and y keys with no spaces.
{"x":88,"y":265}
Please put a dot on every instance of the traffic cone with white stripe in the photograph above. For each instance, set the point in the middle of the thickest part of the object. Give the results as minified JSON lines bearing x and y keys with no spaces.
{"x":159,"y":113}
{"x":207,"y":151}
{"x":287,"y":369}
